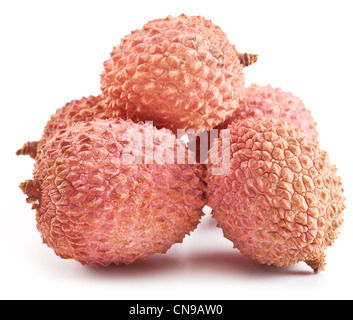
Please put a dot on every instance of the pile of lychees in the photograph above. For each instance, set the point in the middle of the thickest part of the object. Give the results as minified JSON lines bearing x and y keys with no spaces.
{"x":116,"y":179}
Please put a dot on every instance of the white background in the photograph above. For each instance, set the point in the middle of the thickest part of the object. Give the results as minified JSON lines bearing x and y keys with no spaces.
{"x":52,"y":53}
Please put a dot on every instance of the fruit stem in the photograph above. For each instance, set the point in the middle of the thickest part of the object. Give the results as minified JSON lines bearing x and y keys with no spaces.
{"x":29,"y":148}
{"x":317,"y":264}
{"x":32,"y":189}
{"x":247,"y":59}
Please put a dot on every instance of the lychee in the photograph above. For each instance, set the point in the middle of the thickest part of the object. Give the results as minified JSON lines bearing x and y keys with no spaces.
{"x":107,"y":192}
{"x":85,"y":109}
{"x":261,"y":101}
{"x":269,"y":102}
{"x":179,"y":72}
{"x":276,"y":195}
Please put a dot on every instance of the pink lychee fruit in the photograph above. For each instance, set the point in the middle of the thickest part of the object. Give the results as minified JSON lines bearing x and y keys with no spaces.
{"x":106,"y":192}
{"x":179,"y":72}
{"x":85,"y":109}
{"x":269,"y":102}
{"x":275,"y":195}
{"x":266,"y":102}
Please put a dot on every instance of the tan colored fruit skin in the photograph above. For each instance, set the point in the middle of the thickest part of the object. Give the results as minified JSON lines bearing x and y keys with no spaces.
{"x":282,"y":201}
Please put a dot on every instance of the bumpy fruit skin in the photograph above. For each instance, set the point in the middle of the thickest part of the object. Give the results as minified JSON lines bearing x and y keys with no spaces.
{"x":84,"y":109}
{"x":282,"y":201}
{"x":268,"y":102}
{"x":97,"y":209}
{"x":180,"y":72}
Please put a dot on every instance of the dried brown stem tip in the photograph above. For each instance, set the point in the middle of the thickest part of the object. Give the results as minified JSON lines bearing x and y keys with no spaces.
{"x":247,"y":59}
{"x":29,"y":148}
{"x":32,"y":189}
{"x":317,"y":264}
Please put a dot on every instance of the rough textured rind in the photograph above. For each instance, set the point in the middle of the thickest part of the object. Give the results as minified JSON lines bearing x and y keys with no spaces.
{"x":269,"y":102}
{"x":94,"y":208}
{"x":281,"y":201}
{"x":85,"y":109}
{"x":180,"y":72}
